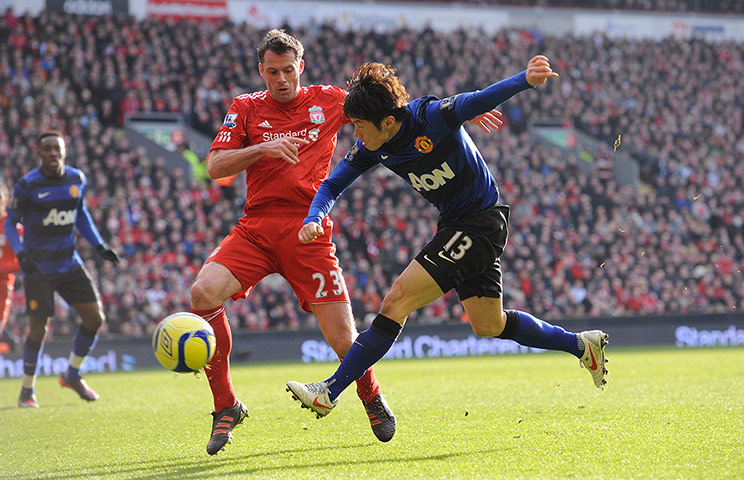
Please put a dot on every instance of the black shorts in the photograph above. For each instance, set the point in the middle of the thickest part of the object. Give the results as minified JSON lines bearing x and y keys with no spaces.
{"x":74,"y":286}
{"x":465,"y":254}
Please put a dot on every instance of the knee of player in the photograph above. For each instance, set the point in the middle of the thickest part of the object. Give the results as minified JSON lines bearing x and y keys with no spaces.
{"x":394,"y":305}
{"x":492,"y":326}
{"x":201,"y":294}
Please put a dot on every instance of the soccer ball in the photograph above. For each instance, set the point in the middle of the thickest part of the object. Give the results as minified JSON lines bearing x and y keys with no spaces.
{"x":183,"y":342}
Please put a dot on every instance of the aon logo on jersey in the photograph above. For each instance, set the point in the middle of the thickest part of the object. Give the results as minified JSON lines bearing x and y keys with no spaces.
{"x":433,"y":180}
{"x":60,"y":218}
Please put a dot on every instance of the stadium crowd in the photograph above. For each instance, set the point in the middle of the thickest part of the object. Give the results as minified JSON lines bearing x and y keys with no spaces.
{"x":580,"y":245}
{"x":722,"y":6}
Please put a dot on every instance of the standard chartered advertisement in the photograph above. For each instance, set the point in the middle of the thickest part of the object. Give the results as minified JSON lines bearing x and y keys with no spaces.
{"x":415,"y":342}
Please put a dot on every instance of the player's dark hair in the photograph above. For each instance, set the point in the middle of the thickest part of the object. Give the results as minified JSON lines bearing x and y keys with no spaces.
{"x":48,"y":133}
{"x":280,"y":42}
{"x":375,"y":92}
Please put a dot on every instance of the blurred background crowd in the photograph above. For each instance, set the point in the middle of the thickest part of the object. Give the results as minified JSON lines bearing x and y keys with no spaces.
{"x":580,"y":245}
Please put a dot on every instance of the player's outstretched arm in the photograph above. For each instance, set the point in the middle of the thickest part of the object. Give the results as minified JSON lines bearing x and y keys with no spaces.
{"x":332,"y":187}
{"x":539,"y":71}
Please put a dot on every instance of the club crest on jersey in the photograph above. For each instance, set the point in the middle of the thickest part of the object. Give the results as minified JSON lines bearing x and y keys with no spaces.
{"x":424,"y":144}
{"x":230,"y":120}
{"x":316,"y":114}
{"x":74,"y":191}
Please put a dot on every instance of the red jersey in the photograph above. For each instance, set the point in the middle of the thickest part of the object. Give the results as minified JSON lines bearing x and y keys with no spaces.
{"x":315,"y":114}
{"x":8,"y":260}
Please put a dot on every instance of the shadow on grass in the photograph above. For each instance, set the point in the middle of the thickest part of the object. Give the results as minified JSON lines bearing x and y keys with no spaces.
{"x":185,"y":468}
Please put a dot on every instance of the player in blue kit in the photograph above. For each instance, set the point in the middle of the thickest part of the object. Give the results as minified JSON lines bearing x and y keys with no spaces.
{"x":424,"y":143}
{"x":48,"y":202}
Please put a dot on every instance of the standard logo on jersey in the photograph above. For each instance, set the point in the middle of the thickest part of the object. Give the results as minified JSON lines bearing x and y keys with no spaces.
{"x":230,"y":120}
{"x":74,"y":191}
{"x":313,"y":134}
{"x":60,"y":218}
{"x":268,"y":136}
{"x":424,"y":144}
{"x":448,"y":103}
{"x":223,"y":137}
{"x":433,"y":180}
{"x":316,"y":114}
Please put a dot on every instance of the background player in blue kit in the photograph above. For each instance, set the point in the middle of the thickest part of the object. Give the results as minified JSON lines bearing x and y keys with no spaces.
{"x":424,"y":143}
{"x":48,"y":202}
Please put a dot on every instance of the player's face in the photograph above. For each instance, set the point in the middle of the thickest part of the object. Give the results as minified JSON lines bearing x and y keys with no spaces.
{"x":52,"y":151}
{"x":372,"y":136}
{"x":282,"y":75}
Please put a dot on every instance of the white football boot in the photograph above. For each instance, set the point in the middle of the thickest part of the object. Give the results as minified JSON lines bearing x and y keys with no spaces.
{"x":594,"y":357}
{"x":314,"y":396}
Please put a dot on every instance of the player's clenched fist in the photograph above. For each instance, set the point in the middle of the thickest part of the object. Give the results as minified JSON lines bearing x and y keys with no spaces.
{"x":310,"y":232}
{"x":286,"y":148}
{"x":539,"y":71}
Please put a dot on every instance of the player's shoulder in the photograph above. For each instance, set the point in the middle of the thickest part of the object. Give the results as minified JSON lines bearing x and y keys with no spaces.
{"x":422,"y":104}
{"x":249,"y":98}
{"x":328,"y":92}
{"x":75,"y":173}
{"x":31,"y":177}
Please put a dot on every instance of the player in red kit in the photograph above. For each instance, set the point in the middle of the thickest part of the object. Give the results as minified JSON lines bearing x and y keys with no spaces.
{"x":284,"y":138}
{"x":8,"y":264}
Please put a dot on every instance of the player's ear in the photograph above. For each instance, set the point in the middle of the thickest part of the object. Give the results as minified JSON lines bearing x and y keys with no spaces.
{"x":260,"y":69}
{"x":302,"y":66}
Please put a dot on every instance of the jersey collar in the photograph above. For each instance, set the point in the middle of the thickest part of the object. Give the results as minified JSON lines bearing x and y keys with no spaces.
{"x":290,"y":104}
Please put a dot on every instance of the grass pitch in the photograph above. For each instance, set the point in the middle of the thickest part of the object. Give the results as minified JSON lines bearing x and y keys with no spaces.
{"x":666,"y":413}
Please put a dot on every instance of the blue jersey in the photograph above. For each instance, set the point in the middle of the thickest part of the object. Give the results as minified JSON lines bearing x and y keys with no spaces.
{"x":50,"y":209}
{"x":432,"y":152}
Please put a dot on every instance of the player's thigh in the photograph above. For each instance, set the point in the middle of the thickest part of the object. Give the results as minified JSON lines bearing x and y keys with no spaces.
{"x":312,"y":270}
{"x":213,"y":285}
{"x":337,"y":324}
{"x":39,"y":295}
{"x":413,"y":289}
{"x":79,"y":291}
{"x":242,"y":258}
{"x":485,"y":315}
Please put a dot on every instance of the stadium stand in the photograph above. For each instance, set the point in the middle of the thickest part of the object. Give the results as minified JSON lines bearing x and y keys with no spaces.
{"x":581,"y":245}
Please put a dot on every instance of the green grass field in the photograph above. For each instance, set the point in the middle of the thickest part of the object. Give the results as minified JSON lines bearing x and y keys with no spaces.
{"x":666,"y":414}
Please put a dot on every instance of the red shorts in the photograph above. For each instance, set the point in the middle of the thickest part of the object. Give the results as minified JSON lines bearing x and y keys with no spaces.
{"x":261,"y":245}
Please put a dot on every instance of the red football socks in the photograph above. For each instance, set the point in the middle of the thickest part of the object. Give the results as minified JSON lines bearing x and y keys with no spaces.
{"x":218,"y":369}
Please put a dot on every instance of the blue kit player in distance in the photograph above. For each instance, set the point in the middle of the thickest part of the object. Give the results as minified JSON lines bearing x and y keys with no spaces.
{"x":48,"y":202}
{"x":424,"y":143}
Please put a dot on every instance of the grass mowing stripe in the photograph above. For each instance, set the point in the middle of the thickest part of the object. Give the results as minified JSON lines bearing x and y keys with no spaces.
{"x":667,"y":413}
